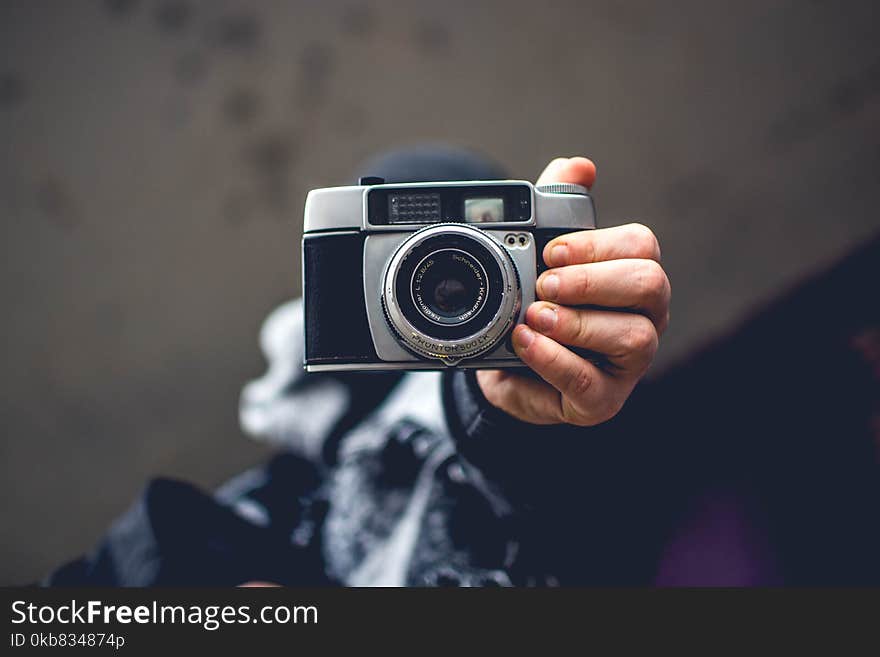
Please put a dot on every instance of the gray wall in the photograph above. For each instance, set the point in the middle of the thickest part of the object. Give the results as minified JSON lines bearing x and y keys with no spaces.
{"x":155,"y":157}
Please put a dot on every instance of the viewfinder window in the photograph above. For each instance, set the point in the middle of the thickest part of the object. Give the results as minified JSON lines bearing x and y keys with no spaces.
{"x":483,"y":210}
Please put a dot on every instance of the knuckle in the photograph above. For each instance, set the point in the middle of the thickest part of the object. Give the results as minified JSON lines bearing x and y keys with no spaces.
{"x":584,"y":243}
{"x":652,"y":280}
{"x":644,"y":241}
{"x":580,"y":381}
{"x":580,"y":280}
{"x":640,"y":335}
{"x":581,"y":334}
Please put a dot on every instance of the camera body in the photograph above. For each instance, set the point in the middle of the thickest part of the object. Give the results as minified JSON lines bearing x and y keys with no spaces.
{"x":421,"y":276}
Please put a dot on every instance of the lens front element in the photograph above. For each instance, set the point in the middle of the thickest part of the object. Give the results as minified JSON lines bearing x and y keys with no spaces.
{"x":449,"y":286}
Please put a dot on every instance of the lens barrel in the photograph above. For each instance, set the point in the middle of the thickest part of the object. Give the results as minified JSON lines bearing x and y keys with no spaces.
{"x":450,"y":292}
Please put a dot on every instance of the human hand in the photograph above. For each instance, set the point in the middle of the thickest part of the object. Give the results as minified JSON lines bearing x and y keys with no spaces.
{"x":606,"y":293}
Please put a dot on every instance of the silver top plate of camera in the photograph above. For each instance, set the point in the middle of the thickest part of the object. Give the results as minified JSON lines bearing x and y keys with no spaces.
{"x":342,"y":208}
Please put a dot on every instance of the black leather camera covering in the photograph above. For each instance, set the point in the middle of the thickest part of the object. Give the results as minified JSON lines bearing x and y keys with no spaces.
{"x":336,"y":324}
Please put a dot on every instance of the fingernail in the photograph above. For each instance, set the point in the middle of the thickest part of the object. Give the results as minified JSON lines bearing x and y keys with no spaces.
{"x":550,"y":287}
{"x":546,"y":320}
{"x":524,"y":336}
{"x":558,"y":256}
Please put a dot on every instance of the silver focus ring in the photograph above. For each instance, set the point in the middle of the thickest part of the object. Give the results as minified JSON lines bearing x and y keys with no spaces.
{"x":450,"y":351}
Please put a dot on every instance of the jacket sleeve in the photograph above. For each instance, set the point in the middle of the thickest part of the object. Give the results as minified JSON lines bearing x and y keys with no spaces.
{"x":536,"y":465}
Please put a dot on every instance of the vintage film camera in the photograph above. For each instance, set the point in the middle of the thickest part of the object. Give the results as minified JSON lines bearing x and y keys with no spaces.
{"x":419,"y":276}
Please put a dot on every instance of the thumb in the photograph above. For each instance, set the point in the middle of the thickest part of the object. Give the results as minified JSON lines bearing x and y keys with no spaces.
{"x":577,"y":170}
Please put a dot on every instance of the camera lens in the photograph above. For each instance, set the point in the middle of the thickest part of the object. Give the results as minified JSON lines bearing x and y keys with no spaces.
{"x":449,"y":286}
{"x":450,"y":292}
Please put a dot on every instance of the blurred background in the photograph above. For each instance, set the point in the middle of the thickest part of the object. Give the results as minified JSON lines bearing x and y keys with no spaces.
{"x":156,"y":155}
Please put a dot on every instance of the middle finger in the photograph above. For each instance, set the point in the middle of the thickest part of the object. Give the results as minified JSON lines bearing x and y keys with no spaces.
{"x":633,"y":284}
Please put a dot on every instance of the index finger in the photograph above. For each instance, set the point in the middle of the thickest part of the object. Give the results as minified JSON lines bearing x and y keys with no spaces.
{"x":601,"y":244}
{"x":584,"y":387}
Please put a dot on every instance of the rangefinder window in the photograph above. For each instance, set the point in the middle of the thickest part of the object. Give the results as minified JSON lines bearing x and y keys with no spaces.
{"x":451,"y":204}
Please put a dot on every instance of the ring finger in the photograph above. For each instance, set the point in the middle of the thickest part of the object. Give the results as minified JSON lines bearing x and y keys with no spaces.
{"x":628,"y":340}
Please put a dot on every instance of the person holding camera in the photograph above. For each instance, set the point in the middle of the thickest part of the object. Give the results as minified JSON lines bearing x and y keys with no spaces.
{"x":468,"y":476}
